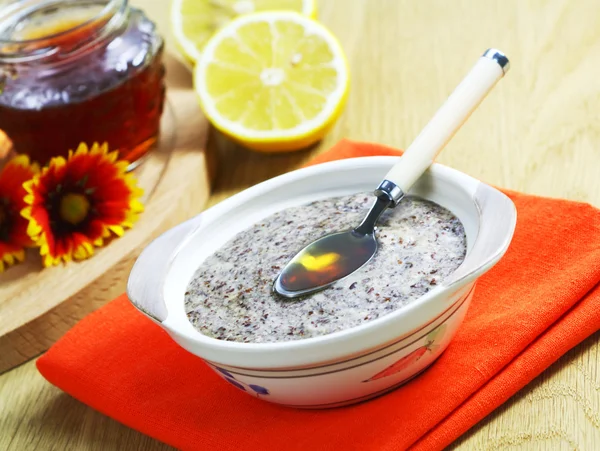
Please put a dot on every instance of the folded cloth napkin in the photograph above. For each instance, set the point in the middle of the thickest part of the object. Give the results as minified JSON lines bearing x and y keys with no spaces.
{"x":539,"y":301}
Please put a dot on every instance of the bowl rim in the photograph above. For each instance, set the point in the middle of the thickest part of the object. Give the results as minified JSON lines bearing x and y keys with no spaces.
{"x":504,"y":208}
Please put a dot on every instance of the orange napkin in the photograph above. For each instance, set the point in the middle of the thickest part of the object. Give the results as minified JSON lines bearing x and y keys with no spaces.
{"x":540,"y":300}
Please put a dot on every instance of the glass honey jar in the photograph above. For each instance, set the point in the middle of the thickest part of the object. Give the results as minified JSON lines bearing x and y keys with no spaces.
{"x":76,"y":71}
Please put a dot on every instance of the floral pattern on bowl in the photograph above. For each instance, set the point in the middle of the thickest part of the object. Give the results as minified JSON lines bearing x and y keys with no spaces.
{"x":405,"y":362}
{"x":249,"y":388}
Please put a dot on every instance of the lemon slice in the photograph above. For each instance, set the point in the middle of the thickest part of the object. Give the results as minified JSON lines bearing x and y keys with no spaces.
{"x":194,"y":21}
{"x":273,"y":81}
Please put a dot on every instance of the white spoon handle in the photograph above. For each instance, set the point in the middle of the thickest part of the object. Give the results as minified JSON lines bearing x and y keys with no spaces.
{"x":449,"y":118}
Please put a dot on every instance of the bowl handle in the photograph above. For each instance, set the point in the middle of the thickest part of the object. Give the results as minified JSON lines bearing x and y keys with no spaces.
{"x":497,"y":221}
{"x":146,"y":279}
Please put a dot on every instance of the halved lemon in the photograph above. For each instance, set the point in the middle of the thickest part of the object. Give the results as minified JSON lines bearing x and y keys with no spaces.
{"x":273,"y":81}
{"x":194,"y":21}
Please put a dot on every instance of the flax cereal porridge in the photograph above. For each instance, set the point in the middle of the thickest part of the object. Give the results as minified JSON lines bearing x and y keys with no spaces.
{"x":230,"y":296}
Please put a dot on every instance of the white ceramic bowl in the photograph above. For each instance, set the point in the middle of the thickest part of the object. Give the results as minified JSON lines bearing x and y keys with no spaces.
{"x":347,"y":366}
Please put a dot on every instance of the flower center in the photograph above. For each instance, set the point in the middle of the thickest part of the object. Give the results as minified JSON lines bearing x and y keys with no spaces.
{"x":5,"y":220}
{"x":74,"y":208}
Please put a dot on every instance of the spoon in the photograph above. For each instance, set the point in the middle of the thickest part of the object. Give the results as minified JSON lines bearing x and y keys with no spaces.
{"x":337,"y":255}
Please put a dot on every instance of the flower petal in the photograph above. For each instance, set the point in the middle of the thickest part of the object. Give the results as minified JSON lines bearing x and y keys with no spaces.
{"x":13,"y":176}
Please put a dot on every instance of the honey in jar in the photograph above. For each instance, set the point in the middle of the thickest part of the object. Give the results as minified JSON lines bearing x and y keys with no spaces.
{"x":76,"y":71}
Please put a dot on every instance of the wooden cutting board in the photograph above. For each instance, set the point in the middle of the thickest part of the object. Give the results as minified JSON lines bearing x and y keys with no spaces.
{"x":38,"y":305}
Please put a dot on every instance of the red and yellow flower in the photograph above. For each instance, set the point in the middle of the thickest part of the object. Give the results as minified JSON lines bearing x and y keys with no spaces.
{"x":13,"y":227}
{"x":76,"y":204}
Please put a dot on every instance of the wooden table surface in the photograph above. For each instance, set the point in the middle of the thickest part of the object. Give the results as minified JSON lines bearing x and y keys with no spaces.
{"x":538,"y":132}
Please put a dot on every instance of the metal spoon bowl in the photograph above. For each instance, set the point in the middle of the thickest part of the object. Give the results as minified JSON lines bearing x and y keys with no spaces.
{"x":331,"y":257}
